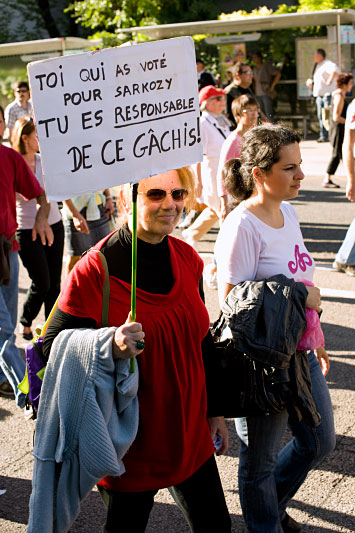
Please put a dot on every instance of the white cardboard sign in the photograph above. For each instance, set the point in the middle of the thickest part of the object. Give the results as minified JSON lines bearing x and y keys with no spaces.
{"x":116,"y":115}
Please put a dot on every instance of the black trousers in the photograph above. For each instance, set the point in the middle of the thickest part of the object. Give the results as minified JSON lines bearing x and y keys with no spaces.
{"x":44,"y":266}
{"x":200,"y":498}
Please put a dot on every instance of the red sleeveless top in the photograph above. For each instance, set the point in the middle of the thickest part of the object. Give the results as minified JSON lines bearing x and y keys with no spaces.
{"x":173,"y":438}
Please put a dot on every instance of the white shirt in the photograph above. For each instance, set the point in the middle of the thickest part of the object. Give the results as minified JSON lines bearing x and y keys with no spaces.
{"x":323,"y":71}
{"x":14,"y":111}
{"x":213,"y":135}
{"x":248,"y":249}
{"x":350,"y":116}
{"x":26,"y":210}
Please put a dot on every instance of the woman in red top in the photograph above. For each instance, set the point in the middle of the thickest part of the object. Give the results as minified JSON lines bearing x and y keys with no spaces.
{"x":174,"y":445}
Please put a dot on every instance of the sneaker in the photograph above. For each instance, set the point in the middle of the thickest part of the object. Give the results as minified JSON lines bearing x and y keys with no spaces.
{"x":26,"y":333}
{"x":289,"y":525}
{"x":190,"y":240}
{"x":329,"y":184}
{"x":339,"y":267}
{"x":6,"y":389}
{"x":29,"y":413}
{"x":210,"y":276}
{"x":350,"y":270}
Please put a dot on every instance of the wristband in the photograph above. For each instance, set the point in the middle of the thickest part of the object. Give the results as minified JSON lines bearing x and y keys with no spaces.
{"x":108,"y":197}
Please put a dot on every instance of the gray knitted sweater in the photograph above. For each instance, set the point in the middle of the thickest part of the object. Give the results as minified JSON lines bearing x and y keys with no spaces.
{"x":87,"y":420}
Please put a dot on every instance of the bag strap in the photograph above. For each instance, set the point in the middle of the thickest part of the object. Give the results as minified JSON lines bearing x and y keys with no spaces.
{"x":105,"y":290}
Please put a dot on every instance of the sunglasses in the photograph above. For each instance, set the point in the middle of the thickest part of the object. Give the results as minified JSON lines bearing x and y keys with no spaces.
{"x":246,"y":72}
{"x":218,"y":98}
{"x":158,"y":195}
{"x":22,"y":90}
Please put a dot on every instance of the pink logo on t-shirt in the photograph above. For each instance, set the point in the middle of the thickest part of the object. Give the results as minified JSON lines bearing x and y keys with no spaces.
{"x":301,"y":260}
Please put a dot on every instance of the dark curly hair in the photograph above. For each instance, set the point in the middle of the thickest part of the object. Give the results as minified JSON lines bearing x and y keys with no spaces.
{"x":260,"y":148}
{"x":343,"y":78}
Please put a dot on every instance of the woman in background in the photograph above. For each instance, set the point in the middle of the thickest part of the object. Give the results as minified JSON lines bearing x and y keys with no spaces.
{"x":337,"y":117}
{"x":43,"y":263}
{"x":215,"y":128}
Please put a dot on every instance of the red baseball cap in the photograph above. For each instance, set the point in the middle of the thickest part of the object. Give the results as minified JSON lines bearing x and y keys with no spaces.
{"x":209,"y":91}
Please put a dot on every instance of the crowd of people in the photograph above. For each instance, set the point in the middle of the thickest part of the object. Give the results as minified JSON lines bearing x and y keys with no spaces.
{"x":160,"y":424}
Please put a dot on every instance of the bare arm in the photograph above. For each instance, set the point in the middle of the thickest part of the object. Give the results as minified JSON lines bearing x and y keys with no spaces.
{"x":78,"y":219}
{"x":109,"y":207}
{"x":331,"y":77}
{"x":349,"y":161}
{"x":313,"y":300}
{"x":338,"y":105}
{"x":41,"y":226}
{"x":199,"y":180}
{"x":275,"y":81}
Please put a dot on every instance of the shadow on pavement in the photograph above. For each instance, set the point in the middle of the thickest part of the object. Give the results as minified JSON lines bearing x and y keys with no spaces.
{"x":338,"y":337}
{"x":168,"y":518}
{"x":343,"y":520}
{"x":14,"y":503}
{"x":323,"y":237}
{"x":4,"y":413}
{"x":321,"y":196}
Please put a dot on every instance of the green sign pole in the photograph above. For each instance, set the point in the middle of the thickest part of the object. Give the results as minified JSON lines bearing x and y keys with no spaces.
{"x":134,"y":262}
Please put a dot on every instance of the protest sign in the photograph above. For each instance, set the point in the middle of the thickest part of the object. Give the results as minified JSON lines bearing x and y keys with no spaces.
{"x":116,"y":115}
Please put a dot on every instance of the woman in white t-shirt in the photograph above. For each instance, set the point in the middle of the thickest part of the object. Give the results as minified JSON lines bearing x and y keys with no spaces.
{"x":259,"y":239}
{"x":43,"y":263}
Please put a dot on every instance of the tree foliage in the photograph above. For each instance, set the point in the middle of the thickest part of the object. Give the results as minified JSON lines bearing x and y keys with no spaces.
{"x":107,"y":17}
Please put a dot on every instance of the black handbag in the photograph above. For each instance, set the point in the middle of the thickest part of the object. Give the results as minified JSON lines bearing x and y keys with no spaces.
{"x":247,"y":386}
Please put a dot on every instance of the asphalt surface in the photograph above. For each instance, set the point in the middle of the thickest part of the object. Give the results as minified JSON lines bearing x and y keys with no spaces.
{"x":326,"y":501}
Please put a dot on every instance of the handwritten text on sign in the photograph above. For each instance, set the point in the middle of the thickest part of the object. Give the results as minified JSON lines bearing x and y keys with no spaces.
{"x":117,"y":115}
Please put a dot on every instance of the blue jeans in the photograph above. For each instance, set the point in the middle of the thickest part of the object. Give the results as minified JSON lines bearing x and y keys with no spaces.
{"x":322,"y":101}
{"x":12,"y":365}
{"x":268,"y":479}
{"x":346,"y":252}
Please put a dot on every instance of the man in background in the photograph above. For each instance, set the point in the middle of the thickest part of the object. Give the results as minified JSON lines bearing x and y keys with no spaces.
{"x":266,"y":76}
{"x":203,"y":76}
{"x":323,"y":84}
{"x":15,"y":176}
{"x":20,"y":107}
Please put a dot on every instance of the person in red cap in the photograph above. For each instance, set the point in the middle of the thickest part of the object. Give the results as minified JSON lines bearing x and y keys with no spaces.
{"x":215,"y":128}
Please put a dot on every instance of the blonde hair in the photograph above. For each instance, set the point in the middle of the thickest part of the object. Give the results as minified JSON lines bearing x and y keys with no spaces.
{"x":187,"y":179}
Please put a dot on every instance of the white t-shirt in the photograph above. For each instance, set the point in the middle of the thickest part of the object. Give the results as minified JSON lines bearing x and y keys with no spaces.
{"x":26,"y":210}
{"x":213,"y":135}
{"x":350,"y":116}
{"x":248,"y":249}
{"x":320,"y":77}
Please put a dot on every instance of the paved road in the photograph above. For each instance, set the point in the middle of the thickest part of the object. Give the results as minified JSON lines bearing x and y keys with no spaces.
{"x":325,"y":503}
